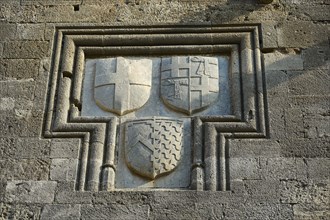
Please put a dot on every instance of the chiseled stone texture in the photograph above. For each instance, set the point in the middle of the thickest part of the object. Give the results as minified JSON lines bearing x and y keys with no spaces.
{"x":285,"y":176}
{"x":30,"y":191}
{"x":60,"y":212}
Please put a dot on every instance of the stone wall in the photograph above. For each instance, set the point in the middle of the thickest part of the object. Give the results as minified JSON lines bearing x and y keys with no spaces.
{"x":283,"y":176}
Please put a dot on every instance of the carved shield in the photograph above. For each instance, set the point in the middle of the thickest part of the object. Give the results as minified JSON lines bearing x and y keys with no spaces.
{"x":122,"y":85}
{"x":153,"y":146}
{"x":189,"y":84}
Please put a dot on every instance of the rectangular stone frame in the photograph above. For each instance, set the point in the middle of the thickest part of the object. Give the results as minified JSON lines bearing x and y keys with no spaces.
{"x":210,"y":165}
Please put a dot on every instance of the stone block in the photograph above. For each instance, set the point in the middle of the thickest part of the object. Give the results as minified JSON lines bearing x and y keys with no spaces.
{"x":312,"y":103}
{"x":24,"y":169}
{"x":318,"y":12}
{"x":294,"y":123}
{"x":318,"y":168}
{"x":278,"y":168}
{"x":277,"y":125}
{"x":302,"y":34}
{"x":49,"y":32}
{"x":244,"y":168}
{"x":3,"y":185}
{"x":315,"y":194}
{"x":269,"y":35}
{"x":244,"y":148}
{"x":63,"y":169}
{"x":7,"y":31}
{"x":70,"y":196}
{"x":26,"y":49}
{"x":7,"y":104}
{"x":280,"y":60}
{"x":262,"y":190}
{"x":60,"y":212}
{"x":304,"y":147}
{"x":308,"y":212}
{"x":19,"y":211}
{"x":311,"y":82}
{"x":11,"y":126}
{"x":1,"y":51}
{"x":277,"y":84}
{"x":30,"y":31}
{"x":186,"y":209}
{"x":19,"y":68}
{"x":65,"y":148}
{"x":20,"y":89}
{"x":316,"y":58}
{"x":127,"y":197}
{"x":255,"y":210}
{"x":24,"y":148}
{"x":30,"y":191}
{"x":51,"y":2}
{"x":317,"y":124}
{"x":115,"y":211}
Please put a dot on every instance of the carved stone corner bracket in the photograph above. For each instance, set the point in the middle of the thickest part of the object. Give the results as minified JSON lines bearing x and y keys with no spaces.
{"x":210,"y":133}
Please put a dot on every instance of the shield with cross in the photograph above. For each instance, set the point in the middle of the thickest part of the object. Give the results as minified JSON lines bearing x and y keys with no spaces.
{"x":189,"y":83}
{"x":122,"y":85}
{"x":153,"y":146}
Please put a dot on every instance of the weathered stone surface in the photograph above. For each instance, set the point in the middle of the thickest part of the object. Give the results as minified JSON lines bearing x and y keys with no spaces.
{"x":280,"y":60}
{"x":12,"y":126}
{"x":67,"y":148}
{"x":269,"y":37}
{"x":306,"y":211}
{"x":51,"y":2}
{"x":255,"y":148}
{"x":60,"y":212}
{"x":24,"y":169}
{"x":30,"y":191}
{"x":316,"y":58}
{"x":304,"y":147}
{"x":26,"y":49}
{"x":302,"y":34}
{"x":63,"y":169}
{"x":312,"y":82}
{"x":19,"y":68}
{"x":65,"y":194}
{"x":301,"y":192}
{"x":19,"y":211}
{"x":278,"y":168}
{"x":1,"y":50}
{"x":30,"y":31}
{"x":3,"y":185}
{"x":259,"y":210}
{"x":244,"y":168}
{"x":114,"y":211}
{"x":24,"y":148}
{"x":318,"y":169}
{"x":7,"y":32}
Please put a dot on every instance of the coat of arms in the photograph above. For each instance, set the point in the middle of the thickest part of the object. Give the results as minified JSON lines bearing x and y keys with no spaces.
{"x":153,"y":146}
{"x":122,"y":85}
{"x":189,"y":84}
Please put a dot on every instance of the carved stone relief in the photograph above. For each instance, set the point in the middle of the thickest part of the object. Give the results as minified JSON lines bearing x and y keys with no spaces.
{"x":122,"y":85}
{"x":155,"y":108}
{"x":189,"y":84}
{"x":153,"y":147}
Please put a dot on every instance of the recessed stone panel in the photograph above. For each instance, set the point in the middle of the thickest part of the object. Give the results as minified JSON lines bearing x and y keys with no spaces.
{"x":154,"y":107}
